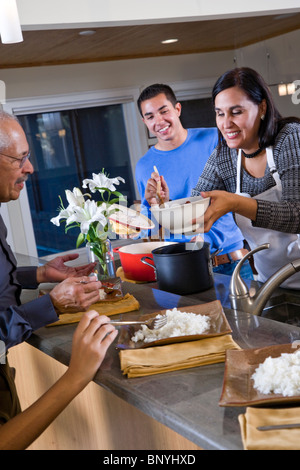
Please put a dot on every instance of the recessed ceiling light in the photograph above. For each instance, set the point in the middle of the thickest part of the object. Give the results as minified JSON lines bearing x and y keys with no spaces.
{"x":169,"y":41}
{"x":87,"y":32}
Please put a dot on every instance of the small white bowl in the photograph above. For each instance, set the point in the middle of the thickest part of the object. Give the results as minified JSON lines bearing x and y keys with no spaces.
{"x":176,"y":216}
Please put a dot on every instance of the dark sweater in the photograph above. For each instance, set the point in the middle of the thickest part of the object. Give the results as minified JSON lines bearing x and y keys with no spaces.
{"x":220,"y":172}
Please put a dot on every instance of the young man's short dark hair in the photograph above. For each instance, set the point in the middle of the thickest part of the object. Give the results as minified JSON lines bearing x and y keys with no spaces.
{"x":156,"y":89}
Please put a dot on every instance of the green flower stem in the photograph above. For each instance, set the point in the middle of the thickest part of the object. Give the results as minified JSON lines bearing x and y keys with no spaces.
{"x":100,"y":250}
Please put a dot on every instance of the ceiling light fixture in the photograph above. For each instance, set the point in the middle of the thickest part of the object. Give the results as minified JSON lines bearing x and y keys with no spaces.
{"x":286,"y":89}
{"x":10,"y":28}
{"x":169,"y":41}
{"x":87,"y":32}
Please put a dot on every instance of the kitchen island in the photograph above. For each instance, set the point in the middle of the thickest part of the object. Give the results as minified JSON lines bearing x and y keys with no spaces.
{"x":185,"y":402}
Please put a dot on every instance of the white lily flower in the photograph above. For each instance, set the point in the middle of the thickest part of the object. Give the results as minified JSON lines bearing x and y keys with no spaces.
{"x":64,"y":214}
{"x":100,"y":180}
{"x":75,"y":197}
{"x":91,"y":217}
{"x":86,"y":215}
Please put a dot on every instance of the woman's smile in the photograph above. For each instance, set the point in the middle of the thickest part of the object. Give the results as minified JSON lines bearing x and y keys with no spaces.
{"x":238,"y":119}
{"x":232,"y":135}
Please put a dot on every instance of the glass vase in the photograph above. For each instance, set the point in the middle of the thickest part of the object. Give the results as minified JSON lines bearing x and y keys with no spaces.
{"x":102,"y":253}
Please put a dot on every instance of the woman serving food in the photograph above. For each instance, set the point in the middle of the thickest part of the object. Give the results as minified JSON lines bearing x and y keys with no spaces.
{"x":254,"y":171}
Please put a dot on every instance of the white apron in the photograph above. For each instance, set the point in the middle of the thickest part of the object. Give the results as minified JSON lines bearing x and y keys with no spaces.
{"x":284,"y":247}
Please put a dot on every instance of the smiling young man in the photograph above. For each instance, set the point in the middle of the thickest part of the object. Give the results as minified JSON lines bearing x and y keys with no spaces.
{"x":180,"y":155}
{"x":179,"y":152}
{"x":161,"y":116}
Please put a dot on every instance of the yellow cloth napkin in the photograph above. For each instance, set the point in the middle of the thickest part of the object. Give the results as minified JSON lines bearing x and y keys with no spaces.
{"x":176,"y":356}
{"x":128,"y":303}
{"x":120,"y":273}
{"x":278,"y":439}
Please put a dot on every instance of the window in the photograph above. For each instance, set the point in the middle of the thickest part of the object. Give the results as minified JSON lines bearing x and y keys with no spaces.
{"x":197,"y":113}
{"x":68,"y":146}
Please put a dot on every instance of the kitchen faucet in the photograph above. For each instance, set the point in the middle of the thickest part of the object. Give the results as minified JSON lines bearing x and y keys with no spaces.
{"x":239,"y":293}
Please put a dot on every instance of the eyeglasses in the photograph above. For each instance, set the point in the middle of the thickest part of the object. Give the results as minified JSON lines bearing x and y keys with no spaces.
{"x":21,"y":160}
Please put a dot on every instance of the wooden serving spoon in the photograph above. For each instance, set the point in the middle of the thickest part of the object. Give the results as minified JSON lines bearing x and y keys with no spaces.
{"x":158,"y":189}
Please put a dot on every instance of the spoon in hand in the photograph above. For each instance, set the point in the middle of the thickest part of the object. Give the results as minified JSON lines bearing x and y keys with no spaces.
{"x":158,"y":189}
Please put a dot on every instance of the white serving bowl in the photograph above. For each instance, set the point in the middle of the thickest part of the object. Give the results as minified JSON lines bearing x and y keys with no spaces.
{"x":176,"y":216}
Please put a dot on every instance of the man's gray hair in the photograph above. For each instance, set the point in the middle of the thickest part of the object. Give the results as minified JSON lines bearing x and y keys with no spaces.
{"x":5,"y":139}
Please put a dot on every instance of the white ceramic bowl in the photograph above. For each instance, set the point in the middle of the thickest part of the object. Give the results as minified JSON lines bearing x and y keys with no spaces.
{"x":176,"y":216}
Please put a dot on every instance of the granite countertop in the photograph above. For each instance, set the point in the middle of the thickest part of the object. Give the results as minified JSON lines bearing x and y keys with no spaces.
{"x":186,"y":401}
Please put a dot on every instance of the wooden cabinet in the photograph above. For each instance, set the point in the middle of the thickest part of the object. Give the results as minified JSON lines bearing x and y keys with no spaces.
{"x":95,"y":420}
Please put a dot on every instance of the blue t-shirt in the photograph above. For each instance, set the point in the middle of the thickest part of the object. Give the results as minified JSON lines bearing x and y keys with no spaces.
{"x":181,"y":169}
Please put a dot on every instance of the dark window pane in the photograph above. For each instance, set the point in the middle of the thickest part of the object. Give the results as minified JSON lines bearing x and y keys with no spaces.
{"x":67,"y":147}
{"x":104,"y":144}
{"x":198,"y":113}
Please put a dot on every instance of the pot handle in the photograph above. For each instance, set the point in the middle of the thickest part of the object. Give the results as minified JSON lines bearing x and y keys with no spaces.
{"x":143,"y":260}
{"x":116,"y":249}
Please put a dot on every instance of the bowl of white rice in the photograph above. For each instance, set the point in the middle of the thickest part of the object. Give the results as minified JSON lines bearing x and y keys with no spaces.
{"x":279,"y":375}
{"x":183,"y":324}
{"x":178,"y":324}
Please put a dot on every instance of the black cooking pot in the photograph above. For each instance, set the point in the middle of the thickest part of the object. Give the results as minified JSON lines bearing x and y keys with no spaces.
{"x":183,"y":268}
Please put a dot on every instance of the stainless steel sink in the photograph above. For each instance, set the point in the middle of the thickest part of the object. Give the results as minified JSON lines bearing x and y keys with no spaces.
{"x":284,"y":308}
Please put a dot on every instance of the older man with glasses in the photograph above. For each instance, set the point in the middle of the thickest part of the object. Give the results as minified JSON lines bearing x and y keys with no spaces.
{"x":22,"y":160}
{"x":75,"y":290}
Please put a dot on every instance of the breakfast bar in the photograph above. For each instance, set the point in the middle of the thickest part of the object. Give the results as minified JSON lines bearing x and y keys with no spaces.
{"x":185,"y":402}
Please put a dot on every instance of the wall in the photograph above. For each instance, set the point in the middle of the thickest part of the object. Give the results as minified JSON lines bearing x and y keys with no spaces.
{"x":37,"y":13}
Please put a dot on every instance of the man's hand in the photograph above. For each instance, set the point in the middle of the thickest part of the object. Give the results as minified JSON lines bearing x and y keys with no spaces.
{"x":75,"y":294}
{"x":56,"y":270}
